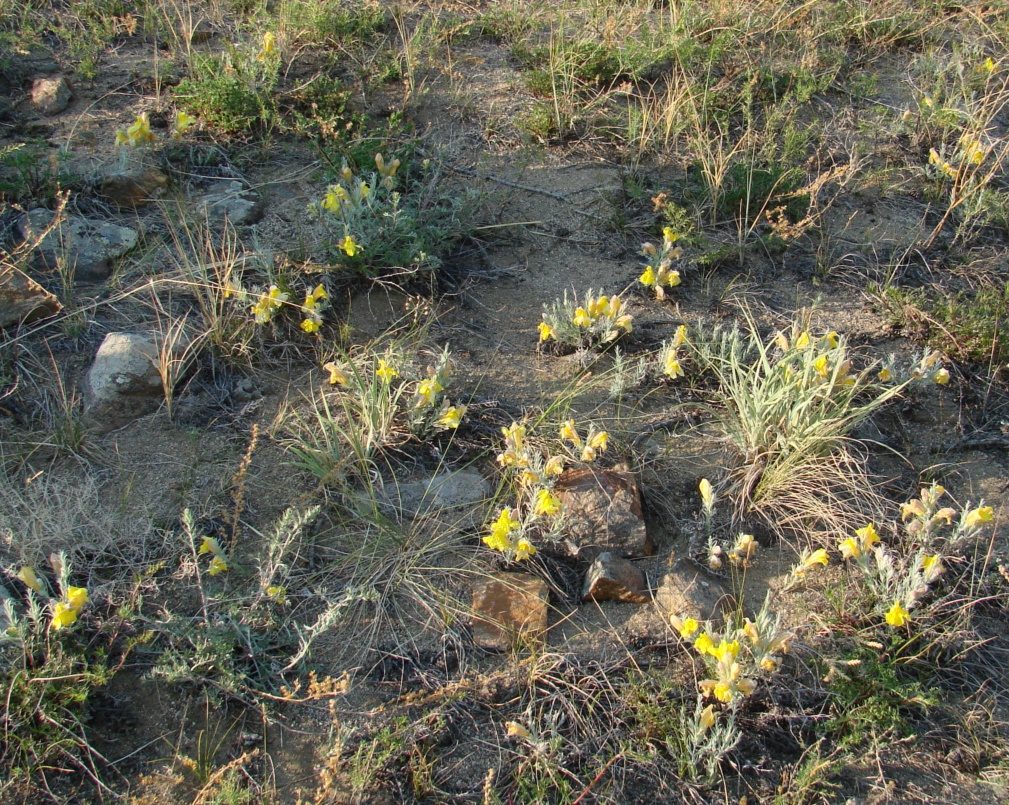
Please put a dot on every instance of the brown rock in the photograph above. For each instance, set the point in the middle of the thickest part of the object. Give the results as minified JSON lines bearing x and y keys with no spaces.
{"x":50,"y":96}
{"x":688,"y":592}
{"x":602,"y":513}
{"x":133,"y":188}
{"x":611,"y":578}
{"x":508,"y":607}
{"x":24,"y":300}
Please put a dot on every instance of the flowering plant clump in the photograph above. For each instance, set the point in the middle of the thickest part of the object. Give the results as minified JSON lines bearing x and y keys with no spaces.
{"x":63,"y":609}
{"x":532,"y":469}
{"x":899,"y":581}
{"x":671,"y":359}
{"x":739,"y":656}
{"x":597,"y":320}
{"x":659,"y":273}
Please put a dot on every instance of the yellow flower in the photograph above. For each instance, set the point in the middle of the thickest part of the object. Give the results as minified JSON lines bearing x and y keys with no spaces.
{"x":941,"y":377}
{"x":524,"y":549}
{"x":347,"y":175}
{"x":385,"y":371}
{"x":832,"y":340}
{"x":987,"y":66}
{"x":897,"y":616}
{"x":516,"y":730}
{"x":277,"y":593}
{"x":546,"y":503}
{"x":946,"y":513}
{"x":269,"y":46}
{"x":217,"y":565}
{"x":336,"y":374}
{"x":63,"y":615}
{"x":183,"y":123}
{"x":704,"y":644}
{"x":769,"y":664}
{"x":849,"y":548}
{"x":331,"y":201}
{"x":211,"y":545}
{"x":822,"y":367}
{"x":868,"y":536}
{"x":707,"y":493}
{"x":723,"y":692}
{"x":588,"y":453}
{"x":802,"y":341}
{"x":884,"y":375}
{"x":140,"y":132}
{"x":121,"y":138}
{"x":365,"y":190}
{"x":726,"y":651}
{"x":624,"y":323}
{"x":597,"y":307}
{"x":672,"y":366}
{"x":30,"y":580}
{"x":818,"y":557}
{"x":581,"y":318}
{"x":77,"y":597}
{"x":648,"y":277}
{"x":501,"y":529}
{"x":514,"y":435}
{"x":913,"y":508}
{"x":311,"y":325}
{"x":452,"y":417}
{"x":669,"y":237}
{"x":570,"y":432}
{"x":546,"y":331}
{"x":688,"y":628}
{"x":672,"y":279}
{"x":982,"y":514}
{"x":427,"y":391}
{"x":349,"y":247}
{"x":933,"y":157}
{"x":932,"y":565}
{"x":707,"y":718}
{"x":554,"y":466}
{"x":600,"y":441}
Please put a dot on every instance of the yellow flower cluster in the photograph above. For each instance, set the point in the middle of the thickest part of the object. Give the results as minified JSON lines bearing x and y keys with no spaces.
{"x":66,"y":610}
{"x":312,"y":309}
{"x":268,"y":304}
{"x":219,"y":560}
{"x":596,"y":442}
{"x":137,"y":134}
{"x":387,"y":171}
{"x":659,"y":272}
{"x":268,"y":48}
{"x":599,"y":319}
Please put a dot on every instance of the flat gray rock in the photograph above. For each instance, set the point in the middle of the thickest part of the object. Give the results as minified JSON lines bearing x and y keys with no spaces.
{"x":123,"y":382}
{"x":52,"y":95}
{"x":688,"y":592}
{"x":230,"y":201}
{"x":91,"y":247}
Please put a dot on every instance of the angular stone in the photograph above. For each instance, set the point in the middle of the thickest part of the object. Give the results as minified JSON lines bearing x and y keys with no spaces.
{"x":688,"y":592}
{"x":123,"y":383}
{"x":230,"y":200}
{"x":611,"y":578}
{"x":135,"y":187}
{"x":52,"y":95}
{"x":508,"y":607}
{"x":457,"y":494}
{"x":24,"y":300}
{"x":91,"y":247}
{"x":602,"y":513}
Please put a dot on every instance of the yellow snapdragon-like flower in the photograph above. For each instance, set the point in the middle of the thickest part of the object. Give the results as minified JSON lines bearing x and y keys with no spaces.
{"x":599,"y":441}
{"x":867,"y":534}
{"x":582,"y":318}
{"x":524,"y":549}
{"x":349,"y":246}
{"x":217,"y":565}
{"x":211,"y":545}
{"x":554,"y":465}
{"x":672,"y":366}
{"x":385,"y":371}
{"x":427,"y":391}
{"x":941,"y":377}
{"x":452,"y":417}
{"x":499,"y":538}
{"x":63,"y":615}
{"x":884,"y":375}
{"x":706,"y":720}
{"x":897,"y":616}
{"x":849,"y":548}
{"x":336,"y":374}
{"x":704,"y":644}
{"x":570,"y":433}
{"x":546,"y":503}
{"x":27,"y":576}
{"x":277,"y":593}
{"x":707,"y":493}
{"x":546,"y":331}
{"x":980,"y":515}
{"x":269,"y":46}
{"x":648,"y":277}
{"x":183,"y":123}
{"x":687,"y":627}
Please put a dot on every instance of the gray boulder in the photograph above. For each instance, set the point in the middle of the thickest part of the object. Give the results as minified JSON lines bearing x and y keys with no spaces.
{"x":51,"y":95}
{"x":89,"y":246}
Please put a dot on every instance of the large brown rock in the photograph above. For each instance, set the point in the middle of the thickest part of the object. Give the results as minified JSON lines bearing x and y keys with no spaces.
{"x":509,"y":608}
{"x":135,"y":187}
{"x":611,"y":578}
{"x":24,"y":300}
{"x":602,"y":512}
